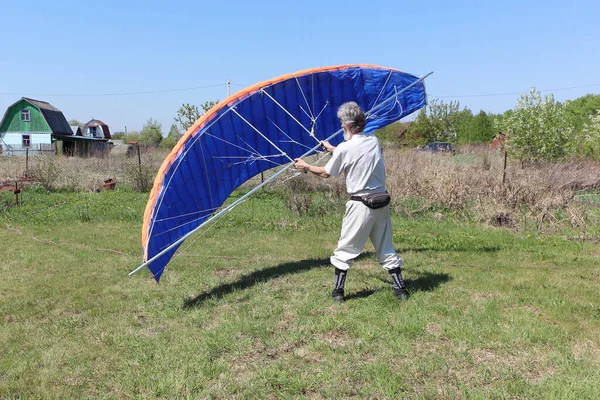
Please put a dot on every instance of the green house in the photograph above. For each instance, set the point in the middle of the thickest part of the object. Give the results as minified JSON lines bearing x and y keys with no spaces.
{"x":32,"y":126}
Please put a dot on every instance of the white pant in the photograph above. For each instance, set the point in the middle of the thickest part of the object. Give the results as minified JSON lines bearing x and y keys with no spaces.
{"x":362,"y":223}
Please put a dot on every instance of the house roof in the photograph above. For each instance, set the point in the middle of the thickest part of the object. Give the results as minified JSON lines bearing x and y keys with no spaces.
{"x":76,"y":130}
{"x":97,"y":122}
{"x":41,"y":104}
{"x":54,"y":117}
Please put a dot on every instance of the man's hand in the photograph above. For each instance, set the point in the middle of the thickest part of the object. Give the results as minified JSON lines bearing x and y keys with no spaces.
{"x":328,"y":147}
{"x":301,"y":165}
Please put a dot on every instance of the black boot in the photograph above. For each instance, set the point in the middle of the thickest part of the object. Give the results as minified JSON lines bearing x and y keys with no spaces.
{"x":338,"y":295}
{"x":338,"y":285}
{"x":398,"y":285}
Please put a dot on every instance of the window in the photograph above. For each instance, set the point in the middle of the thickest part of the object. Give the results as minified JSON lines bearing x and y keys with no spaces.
{"x":93,"y":131}
{"x":26,"y":141}
{"x":25,"y":115}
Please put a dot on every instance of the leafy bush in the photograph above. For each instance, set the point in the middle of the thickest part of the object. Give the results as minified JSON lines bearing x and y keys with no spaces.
{"x":539,"y":129}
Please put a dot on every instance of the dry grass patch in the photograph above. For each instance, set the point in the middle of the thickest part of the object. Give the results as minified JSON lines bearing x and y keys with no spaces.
{"x":472,"y":185}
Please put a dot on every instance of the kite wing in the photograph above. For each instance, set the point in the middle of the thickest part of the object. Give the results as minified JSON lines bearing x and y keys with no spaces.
{"x":261,"y":127}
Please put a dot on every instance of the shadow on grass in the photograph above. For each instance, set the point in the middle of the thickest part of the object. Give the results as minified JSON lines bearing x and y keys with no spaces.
{"x":362,"y":294}
{"x":482,"y":249}
{"x":426,"y":282}
{"x":255,"y":277}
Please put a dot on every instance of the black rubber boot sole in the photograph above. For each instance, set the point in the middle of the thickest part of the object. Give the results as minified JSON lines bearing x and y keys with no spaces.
{"x":338,"y":295}
{"x":401,"y":293}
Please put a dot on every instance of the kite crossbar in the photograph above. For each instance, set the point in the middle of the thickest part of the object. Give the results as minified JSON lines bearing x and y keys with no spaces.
{"x":288,"y":166}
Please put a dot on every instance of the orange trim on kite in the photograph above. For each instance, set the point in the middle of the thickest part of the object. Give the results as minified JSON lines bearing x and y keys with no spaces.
{"x":175,"y":152}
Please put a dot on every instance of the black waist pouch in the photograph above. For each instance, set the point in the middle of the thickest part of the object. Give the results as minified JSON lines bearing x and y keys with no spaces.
{"x":375,"y":200}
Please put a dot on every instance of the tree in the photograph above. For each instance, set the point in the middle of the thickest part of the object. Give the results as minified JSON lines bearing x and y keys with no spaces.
{"x":590,"y":138}
{"x":74,"y":122}
{"x":208,"y":105}
{"x":539,"y":129}
{"x":189,"y":113}
{"x":438,"y":122}
{"x":172,"y":138}
{"x":119,"y":135}
{"x":477,"y":129}
{"x":582,"y":110}
{"x":151,"y":133}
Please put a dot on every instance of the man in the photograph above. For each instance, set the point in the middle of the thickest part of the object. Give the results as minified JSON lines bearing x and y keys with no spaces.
{"x":359,"y":158}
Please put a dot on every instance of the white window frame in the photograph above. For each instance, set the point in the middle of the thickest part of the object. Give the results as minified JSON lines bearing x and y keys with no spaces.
{"x":25,"y":115}
{"x":26,"y":140}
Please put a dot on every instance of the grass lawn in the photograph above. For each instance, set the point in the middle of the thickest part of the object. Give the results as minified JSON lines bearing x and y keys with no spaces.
{"x":244,"y":311}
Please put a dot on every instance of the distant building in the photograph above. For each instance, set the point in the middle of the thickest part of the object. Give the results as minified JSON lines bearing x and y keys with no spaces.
{"x":76,"y":130}
{"x":93,"y":140}
{"x":96,"y":129}
{"x":32,"y":126}
{"x":500,"y":140}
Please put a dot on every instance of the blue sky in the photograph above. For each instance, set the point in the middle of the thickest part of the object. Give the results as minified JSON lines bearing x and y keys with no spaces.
{"x":68,"y":54}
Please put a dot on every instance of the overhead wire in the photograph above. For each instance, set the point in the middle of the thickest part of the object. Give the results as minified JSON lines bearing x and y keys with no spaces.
{"x":514,"y":93}
{"x":243,"y":85}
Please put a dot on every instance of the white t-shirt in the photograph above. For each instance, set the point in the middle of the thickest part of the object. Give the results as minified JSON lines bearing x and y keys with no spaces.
{"x":361,"y":162}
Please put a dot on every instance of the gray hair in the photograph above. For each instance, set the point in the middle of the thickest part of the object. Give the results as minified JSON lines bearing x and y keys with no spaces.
{"x":352,"y":115}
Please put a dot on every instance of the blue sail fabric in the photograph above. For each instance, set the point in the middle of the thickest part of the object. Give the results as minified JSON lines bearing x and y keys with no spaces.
{"x":256,"y":129}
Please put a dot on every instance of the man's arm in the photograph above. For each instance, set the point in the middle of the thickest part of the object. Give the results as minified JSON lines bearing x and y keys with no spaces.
{"x":303,"y":166}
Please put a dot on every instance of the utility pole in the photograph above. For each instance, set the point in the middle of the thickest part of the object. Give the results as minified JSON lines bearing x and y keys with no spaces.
{"x":228,"y":87}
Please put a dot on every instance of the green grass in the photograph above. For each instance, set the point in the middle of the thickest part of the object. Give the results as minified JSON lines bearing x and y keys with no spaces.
{"x":244,"y":311}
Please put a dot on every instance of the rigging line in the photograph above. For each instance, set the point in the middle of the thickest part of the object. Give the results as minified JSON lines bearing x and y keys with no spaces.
{"x":382,"y":88}
{"x":312,"y":92}
{"x":232,"y":144}
{"x":287,"y":112}
{"x":384,"y":115}
{"x":182,"y":252}
{"x":261,"y":134}
{"x":251,"y":159}
{"x":419,"y":80}
{"x":116,"y":94}
{"x":180,"y":160}
{"x":253,"y":149}
{"x":323,"y":109}
{"x":210,"y":194}
{"x":188,"y":214}
{"x":286,"y":135}
{"x":182,"y":225}
{"x":294,"y":142}
{"x":306,"y":101}
{"x":386,"y":112}
{"x":255,"y":155}
{"x":307,"y":114}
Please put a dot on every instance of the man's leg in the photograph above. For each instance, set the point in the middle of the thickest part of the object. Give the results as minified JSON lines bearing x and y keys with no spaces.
{"x":355,"y":231}
{"x":381,"y":237}
{"x":338,"y":285}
